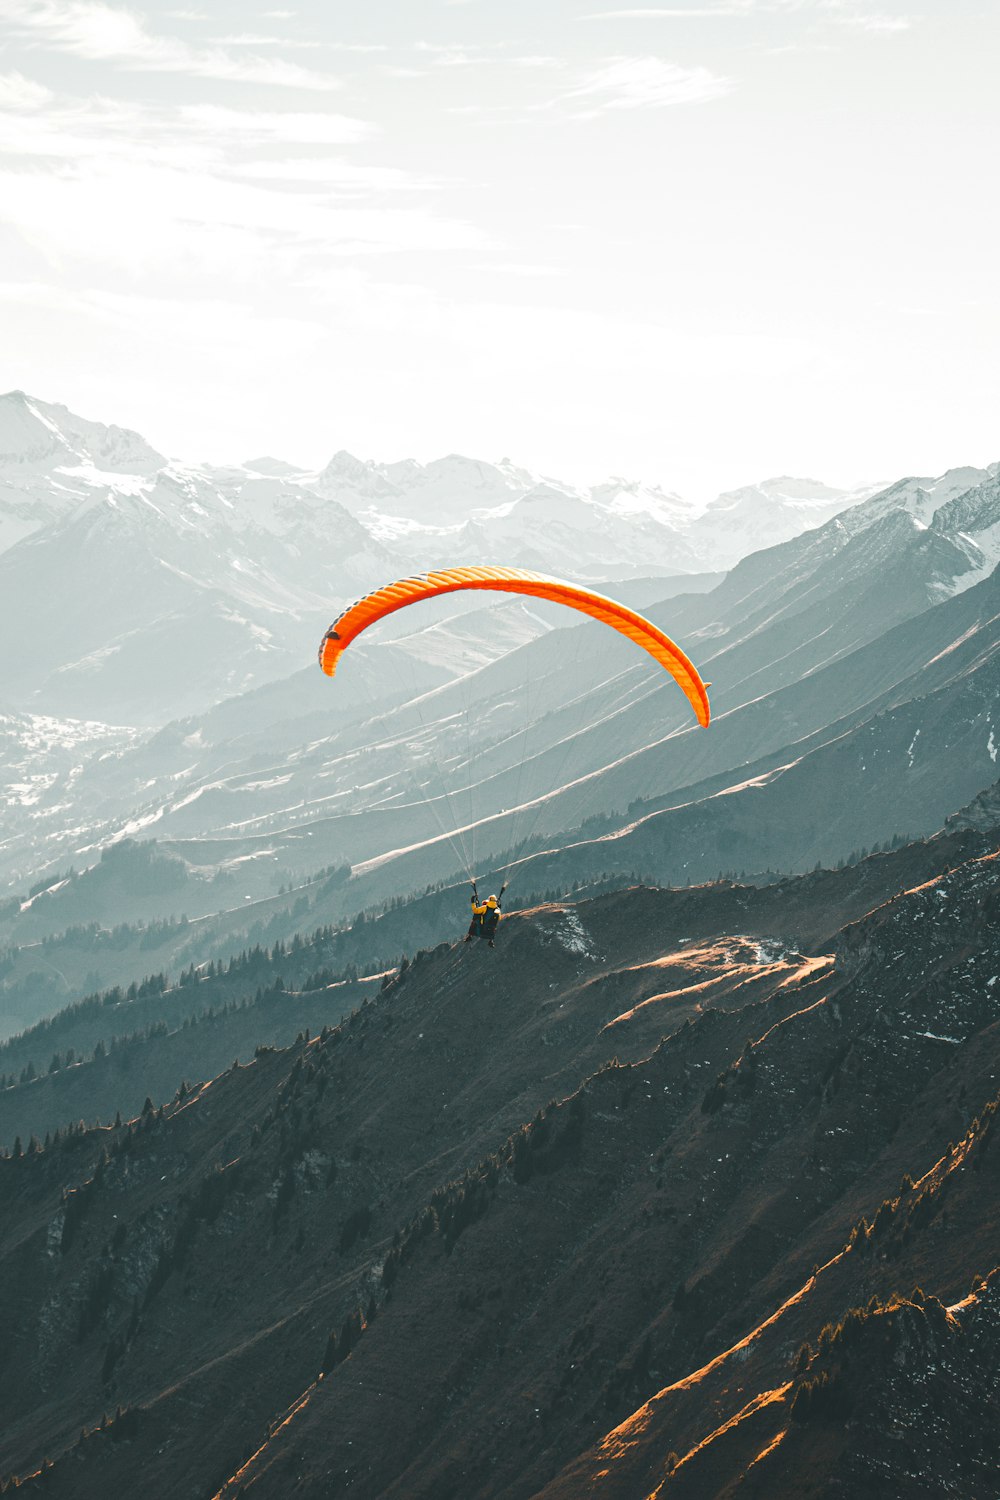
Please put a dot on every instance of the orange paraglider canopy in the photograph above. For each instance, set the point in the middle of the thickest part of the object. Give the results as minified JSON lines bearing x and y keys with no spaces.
{"x":395,"y":596}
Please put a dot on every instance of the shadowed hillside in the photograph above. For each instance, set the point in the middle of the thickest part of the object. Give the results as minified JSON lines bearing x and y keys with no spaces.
{"x":636,"y":1204}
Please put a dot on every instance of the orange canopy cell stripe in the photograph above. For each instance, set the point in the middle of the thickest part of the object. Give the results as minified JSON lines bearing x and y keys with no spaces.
{"x":515,"y":581}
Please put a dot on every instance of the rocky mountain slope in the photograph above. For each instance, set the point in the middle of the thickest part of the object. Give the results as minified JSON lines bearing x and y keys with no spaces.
{"x":89,"y":1057}
{"x":675,"y":1191}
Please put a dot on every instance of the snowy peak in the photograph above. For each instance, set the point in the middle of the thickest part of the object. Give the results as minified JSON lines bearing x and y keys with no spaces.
{"x":546,"y":503}
{"x":420,"y":510}
{"x":344,"y":465}
{"x":960,"y":510}
{"x":447,"y":490}
{"x":629,"y":497}
{"x":785,"y":487}
{"x":974,"y":509}
{"x":441,"y":493}
{"x":972,"y":521}
{"x":355,"y":483}
{"x":276,"y":468}
{"x":777,"y":493}
{"x":954,"y":482}
{"x":922,"y":497}
{"x":51,"y":460}
{"x":35,"y":432}
{"x":463,"y":505}
{"x":765,"y":514}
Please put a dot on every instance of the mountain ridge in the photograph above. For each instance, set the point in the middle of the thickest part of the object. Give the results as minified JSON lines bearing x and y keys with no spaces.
{"x":556,"y":1270}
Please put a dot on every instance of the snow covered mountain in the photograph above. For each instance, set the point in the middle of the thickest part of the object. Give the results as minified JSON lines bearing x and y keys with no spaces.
{"x":168,"y":589}
{"x":351,"y":515}
{"x":480,"y":508}
{"x":568,"y":726}
{"x":765,"y":514}
{"x":152,"y":594}
{"x":140,"y":589}
{"x":498,"y":511}
{"x":442,"y":493}
{"x":50,"y":460}
{"x":36,"y":434}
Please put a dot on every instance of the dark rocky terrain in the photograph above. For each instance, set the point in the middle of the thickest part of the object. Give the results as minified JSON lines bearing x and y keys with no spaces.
{"x":676,"y":1193}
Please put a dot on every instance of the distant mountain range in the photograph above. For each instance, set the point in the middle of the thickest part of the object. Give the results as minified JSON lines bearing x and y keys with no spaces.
{"x":140,"y":589}
{"x":804,"y":642}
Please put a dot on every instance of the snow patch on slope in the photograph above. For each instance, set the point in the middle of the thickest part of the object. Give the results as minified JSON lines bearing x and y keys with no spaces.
{"x":569,"y":932}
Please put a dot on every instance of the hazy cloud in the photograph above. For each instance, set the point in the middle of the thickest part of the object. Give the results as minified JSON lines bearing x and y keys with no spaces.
{"x":448,"y":55}
{"x":335,"y":173}
{"x":518,"y":268}
{"x":257,"y":39}
{"x":670,"y":13}
{"x":18,"y":92}
{"x":162,"y":221}
{"x":387,"y":233}
{"x":647,"y":83}
{"x":282,"y":126}
{"x":105,"y":33}
{"x":884,"y":25}
{"x":201,"y":190}
{"x":845,"y":11}
{"x":35,"y":123}
{"x":848,"y":13}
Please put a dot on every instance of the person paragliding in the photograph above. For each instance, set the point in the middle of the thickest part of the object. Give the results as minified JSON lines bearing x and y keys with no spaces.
{"x":485,"y":916}
{"x":357,"y":618}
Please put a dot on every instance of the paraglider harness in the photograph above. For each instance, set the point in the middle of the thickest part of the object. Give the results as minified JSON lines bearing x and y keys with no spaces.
{"x":485,"y":916}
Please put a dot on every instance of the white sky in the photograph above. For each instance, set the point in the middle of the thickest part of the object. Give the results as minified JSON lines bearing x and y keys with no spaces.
{"x":697,"y":243}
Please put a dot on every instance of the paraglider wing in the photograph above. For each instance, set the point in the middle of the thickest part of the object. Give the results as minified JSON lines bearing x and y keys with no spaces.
{"x":395,"y":596}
